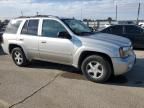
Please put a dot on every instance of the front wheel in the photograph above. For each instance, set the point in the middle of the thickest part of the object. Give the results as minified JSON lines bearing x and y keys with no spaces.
{"x":19,"y":57}
{"x":96,"y":69}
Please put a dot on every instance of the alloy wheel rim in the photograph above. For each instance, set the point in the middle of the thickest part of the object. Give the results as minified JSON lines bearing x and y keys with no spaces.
{"x":18,"y":58}
{"x":95,"y":69}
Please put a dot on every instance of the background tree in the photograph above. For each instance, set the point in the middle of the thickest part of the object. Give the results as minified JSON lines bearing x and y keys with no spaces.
{"x":109,"y":20}
{"x":0,"y":23}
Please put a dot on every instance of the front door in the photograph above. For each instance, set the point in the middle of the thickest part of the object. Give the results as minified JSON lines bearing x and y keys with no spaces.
{"x":51,"y":47}
{"x":136,"y":35}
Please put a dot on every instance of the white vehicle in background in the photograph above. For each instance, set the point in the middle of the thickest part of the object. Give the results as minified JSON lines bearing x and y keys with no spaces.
{"x":141,"y":24}
{"x":107,"y":25}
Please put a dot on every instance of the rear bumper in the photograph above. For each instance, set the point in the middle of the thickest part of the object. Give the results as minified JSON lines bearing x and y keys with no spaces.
{"x":123,"y":65}
{"x":5,"y":48}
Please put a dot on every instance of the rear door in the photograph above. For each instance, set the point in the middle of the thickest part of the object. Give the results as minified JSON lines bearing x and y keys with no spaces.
{"x":29,"y":37}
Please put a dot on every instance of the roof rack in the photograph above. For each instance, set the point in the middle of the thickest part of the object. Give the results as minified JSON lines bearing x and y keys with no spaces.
{"x":48,"y":16}
{"x":23,"y":17}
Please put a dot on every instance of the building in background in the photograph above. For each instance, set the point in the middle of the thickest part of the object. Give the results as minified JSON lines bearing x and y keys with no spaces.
{"x":97,"y":25}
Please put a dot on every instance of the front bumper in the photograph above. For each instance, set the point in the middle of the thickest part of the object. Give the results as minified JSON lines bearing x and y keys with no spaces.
{"x":123,"y":65}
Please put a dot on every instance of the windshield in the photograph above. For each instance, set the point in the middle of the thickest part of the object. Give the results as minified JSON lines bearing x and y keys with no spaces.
{"x":78,"y":27}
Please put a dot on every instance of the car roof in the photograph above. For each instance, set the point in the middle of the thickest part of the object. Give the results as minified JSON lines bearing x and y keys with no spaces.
{"x":40,"y":16}
{"x":121,"y":25}
{"x":124,"y":25}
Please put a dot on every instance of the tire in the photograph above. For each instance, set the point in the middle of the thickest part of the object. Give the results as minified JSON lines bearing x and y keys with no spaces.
{"x":96,"y":68}
{"x":19,"y":57}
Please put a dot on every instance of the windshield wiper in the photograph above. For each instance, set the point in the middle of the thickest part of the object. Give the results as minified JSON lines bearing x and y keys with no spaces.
{"x":86,"y":33}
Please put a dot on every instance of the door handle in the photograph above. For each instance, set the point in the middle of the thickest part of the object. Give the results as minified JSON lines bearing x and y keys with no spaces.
{"x":43,"y":42}
{"x":21,"y":39}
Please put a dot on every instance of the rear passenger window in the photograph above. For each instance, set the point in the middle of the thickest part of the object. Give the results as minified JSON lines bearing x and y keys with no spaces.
{"x":107,"y":30}
{"x":24,"y":30}
{"x":30,"y":27}
{"x":13,"y":27}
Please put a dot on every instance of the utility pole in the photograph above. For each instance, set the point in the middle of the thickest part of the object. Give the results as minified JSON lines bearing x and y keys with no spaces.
{"x":37,"y":13}
{"x":21,"y":13}
{"x":81,"y":14}
{"x":138,"y":12}
{"x":116,"y":7}
{"x":116,"y":11}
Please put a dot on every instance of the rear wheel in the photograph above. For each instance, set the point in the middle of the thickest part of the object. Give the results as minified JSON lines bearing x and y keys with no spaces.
{"x":96,"y":69}
{"x":19,"y":57}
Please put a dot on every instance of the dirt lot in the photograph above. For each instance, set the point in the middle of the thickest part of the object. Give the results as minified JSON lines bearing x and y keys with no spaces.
{"x":47,"y":85}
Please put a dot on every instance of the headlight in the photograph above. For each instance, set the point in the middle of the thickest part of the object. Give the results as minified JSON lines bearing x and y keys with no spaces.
{"x":125,"y":51}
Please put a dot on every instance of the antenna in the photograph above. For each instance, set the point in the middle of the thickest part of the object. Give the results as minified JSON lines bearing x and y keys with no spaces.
{"x":37,"y":13}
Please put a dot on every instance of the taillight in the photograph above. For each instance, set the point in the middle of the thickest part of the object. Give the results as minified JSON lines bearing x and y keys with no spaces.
{"x":1,"y":38}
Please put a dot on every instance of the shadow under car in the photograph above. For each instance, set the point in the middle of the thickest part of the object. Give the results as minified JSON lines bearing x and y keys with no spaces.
{"x":134,"y":78}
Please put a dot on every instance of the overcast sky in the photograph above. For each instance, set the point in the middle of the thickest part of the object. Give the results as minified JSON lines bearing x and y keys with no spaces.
{"x":94,"y":9}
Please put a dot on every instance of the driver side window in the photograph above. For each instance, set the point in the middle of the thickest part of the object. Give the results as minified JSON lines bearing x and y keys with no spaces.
{"x":51,"y":28}
{"x":132,"y":30}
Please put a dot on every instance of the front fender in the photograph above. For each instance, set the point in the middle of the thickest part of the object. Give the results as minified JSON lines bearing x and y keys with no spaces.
{"x":111,"y":52}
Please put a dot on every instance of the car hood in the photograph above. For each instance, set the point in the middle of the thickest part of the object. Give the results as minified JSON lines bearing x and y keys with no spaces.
{"x":109,"y":38}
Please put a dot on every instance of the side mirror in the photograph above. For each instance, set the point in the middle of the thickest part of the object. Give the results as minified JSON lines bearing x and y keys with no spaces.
{"x":64,"y":35}
{"x":92,"y":30}
{"x":142,"y":31}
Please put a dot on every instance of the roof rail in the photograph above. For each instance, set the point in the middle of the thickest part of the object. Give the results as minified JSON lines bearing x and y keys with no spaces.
{"x":23,"y":17}
{"x":46,"y":16}
{"x":49,"y":16}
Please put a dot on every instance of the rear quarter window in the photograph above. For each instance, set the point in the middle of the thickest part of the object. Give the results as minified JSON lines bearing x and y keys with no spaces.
{"x":13,"y":26}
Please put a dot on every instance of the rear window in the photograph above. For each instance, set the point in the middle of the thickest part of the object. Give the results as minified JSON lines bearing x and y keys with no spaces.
{"x":13,"y":27}
{"x":117,"y":29}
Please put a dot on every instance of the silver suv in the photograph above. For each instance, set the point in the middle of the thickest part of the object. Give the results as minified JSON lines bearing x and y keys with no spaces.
{"x":68,"y":41}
